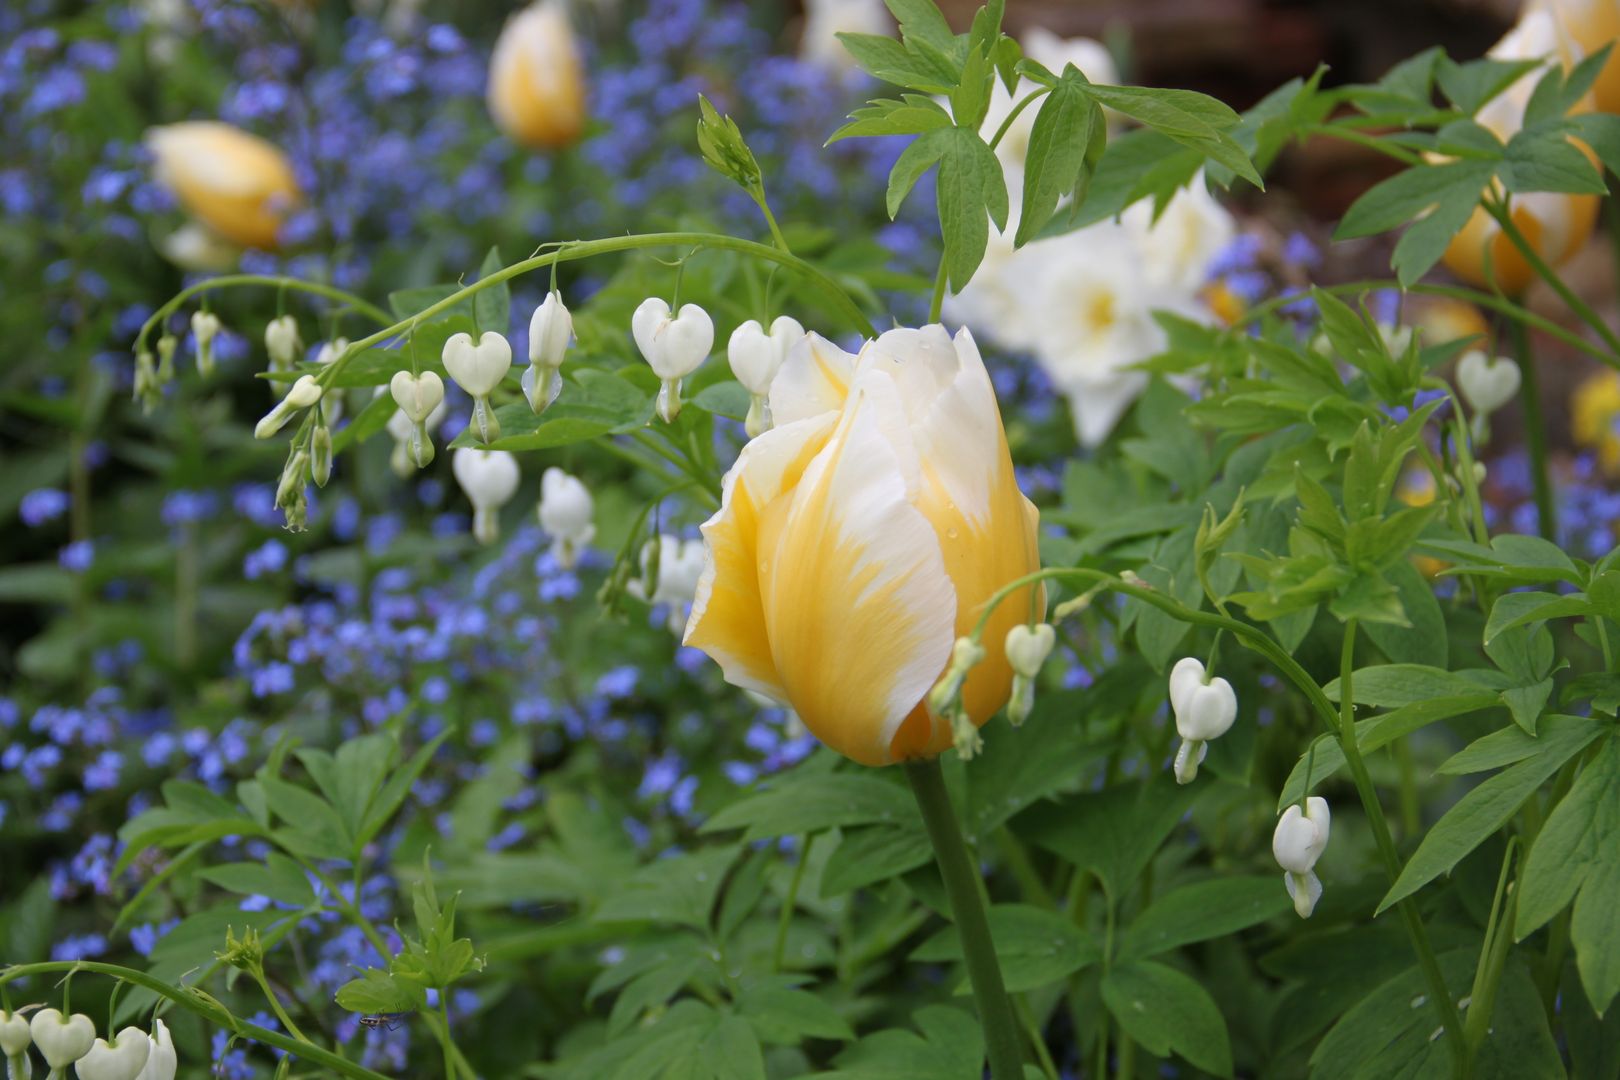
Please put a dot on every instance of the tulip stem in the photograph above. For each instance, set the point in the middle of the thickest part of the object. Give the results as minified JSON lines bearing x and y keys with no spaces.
{"x":962,"y":886}
{"x":1580,"y":307}
{"x":1535,"y":431}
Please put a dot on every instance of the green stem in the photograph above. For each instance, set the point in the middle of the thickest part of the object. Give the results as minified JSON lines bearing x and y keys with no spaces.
{"x":789,"y":902}
{"x":1411,"y":808}
{"x":937,"y":302}
{"x":1535,"y":431}
{"x":276,"y":1007}
{"x":1493,"y":955}
{"x":770,"y":219}
{"x":276,"y":281}
{"x":444,"y":1017}
{"x":203,"y":1005}
{"x":1029,"y":880}
{"x":1580,"y":307}
{"x":962,"y":887}
{"x":1023,"y":103}
{"x":1033,"y":1029}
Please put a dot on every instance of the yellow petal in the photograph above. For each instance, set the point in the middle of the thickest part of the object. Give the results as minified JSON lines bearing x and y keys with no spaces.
{"x":536,"y":78}
{"x":728,"y":619}
{"x":237,"y":184}
{"x":858,"y":608}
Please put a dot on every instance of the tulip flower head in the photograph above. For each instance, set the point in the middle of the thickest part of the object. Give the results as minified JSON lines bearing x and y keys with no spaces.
{"x":860,"y":537}
{"x":123,"y":1058}
{"x":1027,"y":649}
{"x":550,"y":330}
{"x":62,"y":1040}
{"x":162,"y":1062}
{"x":479,"y":369}
{"x":418,"y":398}
{"x":755,"y":358}
{"x":204,"y":328}
{"x":674,"y":345}
{"x":671,"y":569}
{"x":565,"y":514}
{"x":537,"y":79}
{"x":1204,"y":709}
{"x":490,"y":479}
{"x":14,"y":1036}
{"x":282,"y":342}
{"x":301,"y":395}
{"x":236,"y":184}
{"x":1299,"y":840}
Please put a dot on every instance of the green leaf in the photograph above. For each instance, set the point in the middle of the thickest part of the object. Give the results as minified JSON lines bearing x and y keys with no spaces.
{"x":731,"y":1051}
{"x":887,"y":59}
{"x":1527,"y":703}
{"x":912,"y":114}
{"x":312,"y":826}
{"x":492,"y":306}
{"x":920,"y":20}
{"x":1523,"y":608}
{"x":1036,"y":946}
{"x":1056,"y":160}
{"x":393,"y":793}
{"x":1194,"y":120}
{"x":1487,"y":808}
{"x":376,"y":991}
{"x":917,"y":158}
{"x":1140,"y":816}
{"x":1548,"y":161}
{"x":1424,"y":640}
{"x":801,"y":803}
{"x":1581,"y":833}
{"x":1198,"y":912}
{"x":1391,"y":685}
{"x":1444,"y":194}
{"x":785,"y":1016}
{"x":1595,"y":932}
{"x":970,"y":186}
{"x":1168,"y":1012}
{"x":679,"y":890}
{"x":278,"y":877}
{"x":873,"y":853}
{"x":949,"y":1048}
{"x":596,"y":403}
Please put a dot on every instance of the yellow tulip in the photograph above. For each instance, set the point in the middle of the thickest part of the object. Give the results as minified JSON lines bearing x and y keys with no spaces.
{"x":1555,"y":224}
{"x":1590,"y":25}
{"x":536,"y":78}
{"x":859,"y":537}
{"x":237,"y":184}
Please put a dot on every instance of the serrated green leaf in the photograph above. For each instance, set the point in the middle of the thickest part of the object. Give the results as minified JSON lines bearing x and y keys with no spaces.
{"x":1168,"y":1012}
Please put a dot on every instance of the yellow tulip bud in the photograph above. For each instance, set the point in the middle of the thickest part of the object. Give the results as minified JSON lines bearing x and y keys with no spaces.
{"x":537,"y":78}
{"x":237,"y":184}
{"x":861,"y":536}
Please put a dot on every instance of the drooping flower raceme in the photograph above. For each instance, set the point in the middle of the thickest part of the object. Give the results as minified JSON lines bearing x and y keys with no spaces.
{"x":537,"y":78}
{"x":755,"y":358}
{"x":490,"y":479}
{"x":238,"y":185}
{"x":565,"y":513}
{"x":860,"y":537}
{"x":479,"y":369}
{"x":121,"y":1059}
{"x":1204,"y":709}
{"x":162,"y":1062}
{"x":62,"y":1040}
{"x":674,"y":345}
{"x":1299,"y":840}
{"x":550,"y":330}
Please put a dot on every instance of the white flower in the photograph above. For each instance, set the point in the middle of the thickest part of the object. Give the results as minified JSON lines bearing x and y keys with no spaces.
{"x":1204,"y":709}
{"x":477,"y":369}
{"x":1487,"y":384}
{"x":550,"y":329}
{"x":62,"y":1040}
{"x":1176,"y":250}
{"x":197,"y":247}
{"x":565,"y":514}
{"x":204,"y":328}
{"x":680,"y":564}
{"x":1027,"y":649}
{"x":282,"y":342}
{"x":163,"y":1061}
{"x":331,"y":350}
{"x":490,"y":479}
{"x":417,"y":395}
{"x":301,"y":395}
{"x":755,"y":358}
{"x":14,"y":1037}
{"x":122,"y":1059}
{"x":824,"y":20}
{"x":673,"y":346}
{"x":1054,"y":53}
{"x":1299,"y":840}
{"x":413,"y":440}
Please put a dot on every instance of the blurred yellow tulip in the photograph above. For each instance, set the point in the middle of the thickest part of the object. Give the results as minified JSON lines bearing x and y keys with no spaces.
{"x":1590,"y":25}
{"x":537,"y":78}
{"x":862,"y":535}
{"x":238,"y":185}
{"x":1555,"y":224}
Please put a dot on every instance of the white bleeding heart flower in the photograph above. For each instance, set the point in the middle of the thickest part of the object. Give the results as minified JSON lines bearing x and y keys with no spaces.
{"x":673,"y":346}
{"x":282,"y":342}
{"x":1204,"y":709}
{"x":62,"y":1040}
{"x":679,"y":565}
{"x":413,"y":442}
{"x":417,"y":395}
{"x":1487,"y":383}
{"x":479,"y":369}
{"x":755,"y":358}
{"x":1027,"y":649}
{"x":301,"y":395}
{"x":121,"y":1059}
{"x":331,"y":350}
{"x":550,"y":329}
{"x":1298,"y":842}
{"x":162,"y":1062}
{"x":14,"y":1037}
{"x":490,"y":479}
{"x":565,"y":513}
{"x":205,"y":327}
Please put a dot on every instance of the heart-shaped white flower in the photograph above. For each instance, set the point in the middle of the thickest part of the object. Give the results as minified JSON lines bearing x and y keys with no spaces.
{"x":163,"y":1061}
{"x":14,"y":1037}
{"x":1487,"y":384}
{"x":331,"y":350}
{"x":490,"y":479}
{"x":1028,"y":647}
{"x":477,"y":369}
{"x":674,"y":346}
{"x":550,"y":329}
{"x":1207,"y":711}
{"x":417,"y":395}
{"x":62,"y":1040}
{"x":282,"y":342}
{"x":121,"y":1059}
{"x":1301,"y":836}
{"x":756,"y":356}
{"x":565,"y":513}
